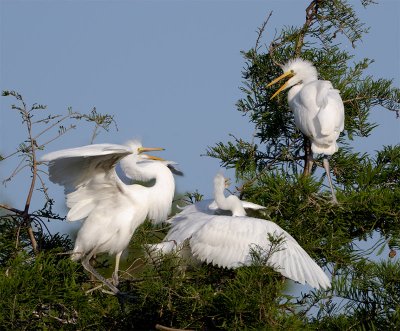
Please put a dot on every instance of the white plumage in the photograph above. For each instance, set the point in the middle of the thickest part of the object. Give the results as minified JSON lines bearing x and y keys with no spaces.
{"x":317,"y":107}
{"x":228,"y":241}
{"x":111,"y":209}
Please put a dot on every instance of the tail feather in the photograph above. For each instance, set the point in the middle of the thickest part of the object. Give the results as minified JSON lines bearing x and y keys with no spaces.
{"x":324,"y":149}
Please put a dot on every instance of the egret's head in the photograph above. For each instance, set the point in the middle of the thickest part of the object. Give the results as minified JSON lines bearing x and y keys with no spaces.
{"x":298,"y":71}
{"x":221,"y":182}
{"x":139,"y":165}
{"x":138,"y":149}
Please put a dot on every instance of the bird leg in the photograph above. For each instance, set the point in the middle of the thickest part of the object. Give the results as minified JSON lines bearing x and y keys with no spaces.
{"x":88,"y":267}
{"x":115,"y":273}
{"x":308,"y":157}
{"x":326,"y":167}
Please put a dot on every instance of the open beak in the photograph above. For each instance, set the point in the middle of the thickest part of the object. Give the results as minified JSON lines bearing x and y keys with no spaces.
{"x":155,"y":158}
{"x":286,"y":74}
{"x":151,"y":149}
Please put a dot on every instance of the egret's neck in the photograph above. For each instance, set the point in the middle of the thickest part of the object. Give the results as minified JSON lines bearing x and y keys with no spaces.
{"x":161,"y":194}
{"x":219,"y":197}
{"x":133,"y":170}
{"x":293,"y":91}
{"x":231,"y":203}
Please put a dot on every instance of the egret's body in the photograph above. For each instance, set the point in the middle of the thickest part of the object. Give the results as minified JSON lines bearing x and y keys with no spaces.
{"x":111,"y":209}
{"x":228,"y":240}
{"x":317,"y":107}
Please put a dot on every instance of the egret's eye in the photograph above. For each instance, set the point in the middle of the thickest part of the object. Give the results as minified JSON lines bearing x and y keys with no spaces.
{"x":292,"y":71}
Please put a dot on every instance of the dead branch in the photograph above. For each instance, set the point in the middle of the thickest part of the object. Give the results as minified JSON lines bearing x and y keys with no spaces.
{"x":165,"y":328}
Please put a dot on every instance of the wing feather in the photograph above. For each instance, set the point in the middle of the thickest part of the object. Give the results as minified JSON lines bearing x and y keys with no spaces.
{"x":74,"y":166}
{"x":87,"y":174}
{"x":331,"y":112}
{"x":226,"y":241}
{"x":319,"y":113}
{"x":330,"y":118}
{"x":251,"y":205}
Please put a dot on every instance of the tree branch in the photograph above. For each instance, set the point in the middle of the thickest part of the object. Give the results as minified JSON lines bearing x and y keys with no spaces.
{"x":165,"y":328}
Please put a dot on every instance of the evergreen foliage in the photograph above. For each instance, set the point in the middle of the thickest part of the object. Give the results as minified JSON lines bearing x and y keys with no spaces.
{"x":271,"y":165}
{"x":41,"y":288}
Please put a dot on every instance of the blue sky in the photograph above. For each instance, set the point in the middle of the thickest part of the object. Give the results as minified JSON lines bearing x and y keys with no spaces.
{"x":169,"y":72}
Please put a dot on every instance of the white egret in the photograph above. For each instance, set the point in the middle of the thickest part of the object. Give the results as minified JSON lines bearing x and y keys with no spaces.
{"x":317,"y":107}
{"x":111,"y":210}
{"x":228,"y":240}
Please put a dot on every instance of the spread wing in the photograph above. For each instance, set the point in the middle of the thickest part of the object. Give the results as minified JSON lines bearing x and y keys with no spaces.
{"x":87,"y":174}
{"x":207,"y":206}
{"x":192,"y":218}
{"x":210,"y":207}
{"x":251,"y":205}
{"x":228,"y":241}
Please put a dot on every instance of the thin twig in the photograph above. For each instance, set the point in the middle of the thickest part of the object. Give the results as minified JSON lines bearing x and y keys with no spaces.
{"x":261,"y":31}
{"x":26,"y":215}
{"x":18,"y":168}
{"x":54,"y":124}
{"x":165,"y":328}
{"x":71,"y":127}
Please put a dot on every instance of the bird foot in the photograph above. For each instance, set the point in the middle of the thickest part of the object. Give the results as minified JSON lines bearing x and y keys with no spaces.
{"x":334,"y":200}
{"x":115,"y":279}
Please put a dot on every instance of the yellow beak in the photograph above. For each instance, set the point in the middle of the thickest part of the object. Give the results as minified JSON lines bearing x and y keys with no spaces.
{"x":151,"y":157}
{"x":149,"y":149}
{"x":286,"y":74}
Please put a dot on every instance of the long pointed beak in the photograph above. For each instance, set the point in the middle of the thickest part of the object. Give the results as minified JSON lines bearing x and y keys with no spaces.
{"x":286,"y":74}
{"x":149,"y":149}
{"x":155,"y":158}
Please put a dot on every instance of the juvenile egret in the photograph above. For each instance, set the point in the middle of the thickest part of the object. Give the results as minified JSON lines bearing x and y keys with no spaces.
{"x":317,"y":107}
{"x":111,"y":210}
{"x":228,"y":240}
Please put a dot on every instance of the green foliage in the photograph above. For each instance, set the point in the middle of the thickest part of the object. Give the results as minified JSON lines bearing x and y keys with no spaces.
{"x":46,"y":292}
{"x":271,"y":165}
{"x":279,"y":144}
{"x":41,"y":288}
{"x":375,"y":287}
{"x":207,"y":297}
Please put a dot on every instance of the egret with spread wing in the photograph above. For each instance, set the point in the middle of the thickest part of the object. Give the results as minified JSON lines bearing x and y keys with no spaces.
{"x":317,"y":107}
{"x":111,"y":209}
{"x":228,"y":240}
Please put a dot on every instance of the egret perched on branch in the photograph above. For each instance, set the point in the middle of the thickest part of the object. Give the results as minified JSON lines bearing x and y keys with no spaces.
{"x":111,"y":209}
{"x":229,"y":240}
{"x":317,"y":107}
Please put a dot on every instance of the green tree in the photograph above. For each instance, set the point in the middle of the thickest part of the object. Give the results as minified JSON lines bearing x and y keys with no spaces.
{"x":273,"y":165}
{"x":42,"y":289}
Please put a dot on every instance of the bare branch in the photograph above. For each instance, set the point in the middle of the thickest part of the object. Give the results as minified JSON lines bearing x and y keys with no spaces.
{"x":261,"y":31}
{"x":165,"y":328}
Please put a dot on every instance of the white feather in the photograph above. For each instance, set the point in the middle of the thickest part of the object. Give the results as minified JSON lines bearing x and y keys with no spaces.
{"x":111,"y":210}
{"x":317,"y":107}
{"x":228,"y":241}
